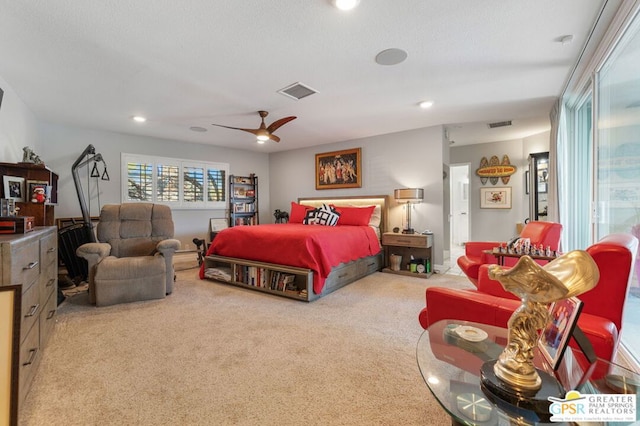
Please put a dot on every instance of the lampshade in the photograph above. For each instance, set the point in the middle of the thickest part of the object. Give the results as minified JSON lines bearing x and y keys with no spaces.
{"x":409,"y":195}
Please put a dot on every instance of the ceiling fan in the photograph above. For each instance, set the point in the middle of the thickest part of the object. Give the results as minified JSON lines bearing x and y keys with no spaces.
{"x":264,"y":133}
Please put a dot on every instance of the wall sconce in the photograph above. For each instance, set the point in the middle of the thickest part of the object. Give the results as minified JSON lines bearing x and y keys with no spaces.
{"x":408,"y":196}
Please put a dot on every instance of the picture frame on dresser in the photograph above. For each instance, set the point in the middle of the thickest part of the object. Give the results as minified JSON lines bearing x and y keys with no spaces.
{"x":14,"y":188}
{"x":10,"y":314}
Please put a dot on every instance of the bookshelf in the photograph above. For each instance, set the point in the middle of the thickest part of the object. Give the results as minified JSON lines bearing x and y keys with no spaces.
{"x":243,"y":200}
{"x":30,"y":175}
{"x":288,"y":281}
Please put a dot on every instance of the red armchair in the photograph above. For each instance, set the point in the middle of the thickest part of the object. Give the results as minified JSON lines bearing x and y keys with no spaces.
{"x":545,"y":233}
{"x":601,"y":316}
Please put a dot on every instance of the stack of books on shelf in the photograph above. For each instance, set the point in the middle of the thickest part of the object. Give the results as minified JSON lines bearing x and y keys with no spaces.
{"x":265,"y":278}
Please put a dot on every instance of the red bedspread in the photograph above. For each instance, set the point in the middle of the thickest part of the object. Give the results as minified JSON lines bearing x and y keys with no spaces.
{"x":314,"y":247}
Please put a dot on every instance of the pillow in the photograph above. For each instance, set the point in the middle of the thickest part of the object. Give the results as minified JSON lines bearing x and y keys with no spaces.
{"x":324,"y":215}
{"x":355,"y":216}
{"x":298,"y":212}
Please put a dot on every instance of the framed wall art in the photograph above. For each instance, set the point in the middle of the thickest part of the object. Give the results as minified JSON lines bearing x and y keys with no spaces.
{"x":339,"y":169}
{"x":495,"y":198}
{"x":14,"y":188}
{"x":554,"y":339}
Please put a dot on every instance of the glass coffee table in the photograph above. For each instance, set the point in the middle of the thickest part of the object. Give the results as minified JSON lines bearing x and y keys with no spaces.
{"x":450,"y":366}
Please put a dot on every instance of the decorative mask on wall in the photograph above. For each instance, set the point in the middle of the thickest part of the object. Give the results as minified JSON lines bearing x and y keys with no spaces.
{"x":494,"y":169}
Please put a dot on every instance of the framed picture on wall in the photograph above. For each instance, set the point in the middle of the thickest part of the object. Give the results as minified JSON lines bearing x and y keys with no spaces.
{"x":339,"y":169}
{"x":495,"y":198}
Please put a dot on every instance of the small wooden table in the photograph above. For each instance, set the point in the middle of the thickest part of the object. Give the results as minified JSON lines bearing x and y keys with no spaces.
{"x":500,"y":255}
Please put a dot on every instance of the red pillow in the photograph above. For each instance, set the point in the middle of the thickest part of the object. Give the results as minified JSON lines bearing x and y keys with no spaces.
{"x":298,"y":212}
{"x":355,"y":216}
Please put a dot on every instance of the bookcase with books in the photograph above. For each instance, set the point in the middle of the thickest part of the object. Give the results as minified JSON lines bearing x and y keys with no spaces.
{"x":243,"y":200}
{"x":280,"y":280}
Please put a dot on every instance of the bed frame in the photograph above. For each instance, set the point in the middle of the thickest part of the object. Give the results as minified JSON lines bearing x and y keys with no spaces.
{"x":340,"y":275}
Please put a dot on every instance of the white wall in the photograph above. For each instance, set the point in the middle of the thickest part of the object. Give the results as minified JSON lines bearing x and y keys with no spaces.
{"x":398,"y":160}
{"x":18,"y":126}
{"x":62,"y":145}
{"x":498,"y":224}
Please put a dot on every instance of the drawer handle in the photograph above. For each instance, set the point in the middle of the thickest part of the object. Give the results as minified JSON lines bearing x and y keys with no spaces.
{"x":50,"y":282}
{"x":32,"y":356}
{"x":51,"y":250}
{"x":404,"y":241}
{"x":51,"y":314}
{"x":372,"y":264}
{"x":342,"y":276}
{"x":33,"y":311}
{"x":31,"y":265}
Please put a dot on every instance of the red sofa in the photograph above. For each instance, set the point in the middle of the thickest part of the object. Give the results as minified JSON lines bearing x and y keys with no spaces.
{"x":601,"y":317}
{"x":545,"y":233}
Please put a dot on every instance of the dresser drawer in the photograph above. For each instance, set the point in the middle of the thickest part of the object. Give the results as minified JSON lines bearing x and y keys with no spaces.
{"x":25,"y":263}
{"x":29,"y":358}
{"x":49,"y":249}
{"x":30,"y":310}
{"x":47,"y":281}
{"x":404,"y":240}
{"x":48,"y":319}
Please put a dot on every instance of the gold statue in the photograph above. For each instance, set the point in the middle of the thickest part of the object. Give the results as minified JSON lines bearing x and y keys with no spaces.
{"x":537,"y":287}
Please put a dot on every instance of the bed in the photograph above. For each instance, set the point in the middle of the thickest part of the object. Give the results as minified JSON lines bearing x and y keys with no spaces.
{"x":302,"y":261}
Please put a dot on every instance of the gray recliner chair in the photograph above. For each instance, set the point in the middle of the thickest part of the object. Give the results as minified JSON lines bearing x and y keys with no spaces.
{"x":133,"y":259}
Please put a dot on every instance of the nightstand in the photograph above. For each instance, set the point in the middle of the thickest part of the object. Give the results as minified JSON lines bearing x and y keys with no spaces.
{"x":406,"y":245}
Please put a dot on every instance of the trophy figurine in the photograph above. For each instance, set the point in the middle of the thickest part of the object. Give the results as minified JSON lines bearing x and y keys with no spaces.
{"x":513,"y":376}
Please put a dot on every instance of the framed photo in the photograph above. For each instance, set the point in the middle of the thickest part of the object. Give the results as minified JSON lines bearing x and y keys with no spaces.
{"x":14,"y":188}
{"x":554,"y":339}
{"x":495,"y":198}
{"x":339,"y":169}
{"x":10,"y":305}
{"x":31,"y":187}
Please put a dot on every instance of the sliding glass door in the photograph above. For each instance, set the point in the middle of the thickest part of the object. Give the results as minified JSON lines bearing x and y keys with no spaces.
{"x":617,"y":160}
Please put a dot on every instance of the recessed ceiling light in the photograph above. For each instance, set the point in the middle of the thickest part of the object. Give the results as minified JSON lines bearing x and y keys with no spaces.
{"x":197,"y":129}
{"x":345,"y":4}
{"x":139,"y":119}
{"x":426,"y":104}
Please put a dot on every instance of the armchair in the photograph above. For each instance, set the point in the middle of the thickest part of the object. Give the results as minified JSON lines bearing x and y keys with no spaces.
{"x":601,"y":317}
{"x":545,"y":233}
{"x":133,"y":259}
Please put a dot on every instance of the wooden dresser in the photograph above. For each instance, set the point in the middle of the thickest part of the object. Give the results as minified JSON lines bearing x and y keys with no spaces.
{"x":31,"y":260}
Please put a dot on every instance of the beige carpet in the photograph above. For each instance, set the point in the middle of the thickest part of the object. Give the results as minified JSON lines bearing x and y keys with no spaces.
{"x":213,"y":354}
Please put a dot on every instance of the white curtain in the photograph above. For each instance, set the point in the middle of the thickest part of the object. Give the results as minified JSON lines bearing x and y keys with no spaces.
{"x":558,"y":126}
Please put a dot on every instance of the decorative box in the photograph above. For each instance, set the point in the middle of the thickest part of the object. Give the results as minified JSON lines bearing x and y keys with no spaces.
{"x":16,"y":224}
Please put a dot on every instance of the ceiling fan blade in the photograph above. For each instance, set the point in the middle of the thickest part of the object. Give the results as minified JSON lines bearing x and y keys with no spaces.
{"x":278,"y":123}
{"x":237,"y":128}
{"x":274,"y":137}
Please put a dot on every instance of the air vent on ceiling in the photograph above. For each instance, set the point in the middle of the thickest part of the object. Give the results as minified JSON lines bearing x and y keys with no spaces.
{"x":499,"y":124}
{"x":297,"y":91}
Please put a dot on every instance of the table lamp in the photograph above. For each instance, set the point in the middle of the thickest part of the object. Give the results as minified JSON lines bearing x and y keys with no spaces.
{"x":409,"y":196}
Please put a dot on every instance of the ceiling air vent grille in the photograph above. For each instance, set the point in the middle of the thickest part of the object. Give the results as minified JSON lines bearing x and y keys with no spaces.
{"x":499,"y":124}
{"x":297,"y":91}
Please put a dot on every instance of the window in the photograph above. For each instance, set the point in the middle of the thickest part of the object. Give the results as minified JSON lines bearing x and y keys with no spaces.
{"x":617,"y":161}
{"x":178,"y":183}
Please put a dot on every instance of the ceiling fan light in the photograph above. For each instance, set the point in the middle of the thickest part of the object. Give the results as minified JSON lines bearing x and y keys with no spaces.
{"x":260,"y":141}
{"x":263,"y":137}
{"x":345,"y":4}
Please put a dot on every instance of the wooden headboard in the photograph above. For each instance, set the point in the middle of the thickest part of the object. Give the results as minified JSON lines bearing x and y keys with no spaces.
{"x":360,"y":200}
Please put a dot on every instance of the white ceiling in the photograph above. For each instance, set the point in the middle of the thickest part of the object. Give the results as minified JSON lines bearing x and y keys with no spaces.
{"x":187,"y":63}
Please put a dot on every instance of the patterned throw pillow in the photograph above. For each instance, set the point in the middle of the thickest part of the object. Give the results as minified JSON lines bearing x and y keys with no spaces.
{"x":324,"y":215}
